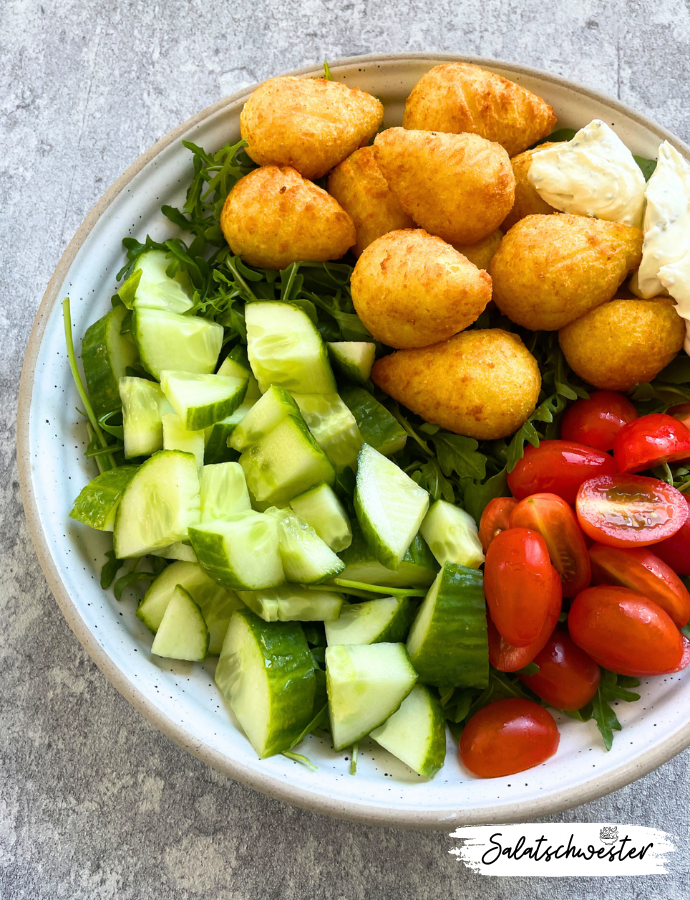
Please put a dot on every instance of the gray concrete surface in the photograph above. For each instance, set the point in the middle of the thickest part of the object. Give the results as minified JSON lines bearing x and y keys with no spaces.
{"x":94,"y":803}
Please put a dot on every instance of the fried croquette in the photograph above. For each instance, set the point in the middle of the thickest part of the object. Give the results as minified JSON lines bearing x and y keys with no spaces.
{"x":483,"y":251}
{"x":527,"y":200}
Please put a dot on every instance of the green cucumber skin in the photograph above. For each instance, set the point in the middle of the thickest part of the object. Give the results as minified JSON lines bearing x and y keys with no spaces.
{"x":437,"y":751}
{"x":377,"y":426}
{"x":102,"y":493}
{"x":211,"y":547}
{"x":385,"y":556}
{"x":433,"y":725}
{"x":399,"y":626}
{"x":217,"y":450}
{"x":197,"y":420}
{"x":102,"y":375}
{"x":417,"y":569}
{"x":455,"y":650}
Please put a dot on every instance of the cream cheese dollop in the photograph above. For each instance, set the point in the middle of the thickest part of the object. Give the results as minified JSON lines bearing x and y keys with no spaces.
{"x":675,"y":277}
{"x":594,"y":174}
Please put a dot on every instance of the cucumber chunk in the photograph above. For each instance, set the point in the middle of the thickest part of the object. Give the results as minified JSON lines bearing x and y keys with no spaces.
{"x":286,"y":462}
{"x":376,"y":425}
{"x":306,"y":558}
{"x":176,"y":437}
{"x":202,"y":400}
{"x":372,"y":622}
{"x":285,"y":348}
{"x":291,"y":603}
{"x":150,"y":287}
{"x":223,"y":491}
{"x":267,"y":413}
{"x":105,"y":355}
{"x":158,"y":505}
{"x":333,"y":426}
{"x":366,"y":685}
{"x":179,"y":550}
{"x":231,"y":368}
{"x":241,"y":551}
{"x":182,"y":343}
{"x":143,"y":402}
{"x":321,"y":508}
{"x":452,"y":535}
{"x":266,"y":675}
{"x":218,"y":436}
{"x":390,"y":506}
{"x":354,"y":359}
{"x":97,"y":502}
{"x":182,"y":633}
{"x":417,"y":569}
{"x":416,"y":733}
{"x":448,"y":641}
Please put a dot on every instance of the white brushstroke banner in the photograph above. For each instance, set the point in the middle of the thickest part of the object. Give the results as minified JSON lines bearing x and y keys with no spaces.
{"x":561,"y":849}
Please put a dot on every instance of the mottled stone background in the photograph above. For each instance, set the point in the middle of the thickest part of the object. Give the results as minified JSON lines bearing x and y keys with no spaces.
{"x":94,"y":803}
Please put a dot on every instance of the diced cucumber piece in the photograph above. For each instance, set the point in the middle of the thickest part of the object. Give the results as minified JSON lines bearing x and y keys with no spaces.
{"x":182,"y":633}
{"x":223,"y":491}
{"x":217,"y":437}
{"x":333,"y":426}
{"x":182,"y":343}
{"x":390,"y":506}
{"x":176,"y":437}
{"x":158,"y":505}
{"x":105,"y":355}
{"x":266,"y":675}
{"x":202,"y":400}
{"x":97,"y":502}
{"x":231,"y":368}
{"x":267,"y":413}
{"x":452,"y":535}
{"x":321,"y":508}
{"x":372,"y":622}
{"x":286,"y":462}
{"x":241,"y":551}
{"x":285,"y":348}
{"x":291,"y":603}
{"x":179,"y":550}
{"x":142,"y":405}
{"x":417,"y":569}
{"x":354,"y":359}
{"x":366,"y":685}
{"x":150,"y":287}
{"x":306,"y":558}
{"x":416,"y":733}
{"x":448,"y":640}
{"x":376,"y":425}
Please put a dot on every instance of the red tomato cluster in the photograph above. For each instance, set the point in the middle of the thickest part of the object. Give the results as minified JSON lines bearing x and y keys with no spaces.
{"x":582,"y":524}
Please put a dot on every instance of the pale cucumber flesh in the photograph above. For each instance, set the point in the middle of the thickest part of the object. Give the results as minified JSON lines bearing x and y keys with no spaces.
{"x":321,"y":508}
{"x":291,"y":603}
{"x":306,"y":558}
{"x":452,"y":535}
{"x":182,"y":633}
{"x":142,"y":403}
{"x":375,"y":621}
{"x":416,"y":733}
{"x":223,"y":491}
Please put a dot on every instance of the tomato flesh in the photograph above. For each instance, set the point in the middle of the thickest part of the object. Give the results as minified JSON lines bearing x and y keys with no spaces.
{"x":495,"y":519}
{"x":650,"y":441}
{"x":625,"y":632}
{"x":675,"y":551}
{"x":630,"y":510}
{"x":567,"y":678}
{"x":508,"y":736}
{"x":596,"y":422}
{"x":555,"y":521}
{"x":558,"y":467}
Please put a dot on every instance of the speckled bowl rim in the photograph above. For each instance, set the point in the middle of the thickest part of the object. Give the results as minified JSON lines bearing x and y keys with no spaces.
{"x":274,"y":787}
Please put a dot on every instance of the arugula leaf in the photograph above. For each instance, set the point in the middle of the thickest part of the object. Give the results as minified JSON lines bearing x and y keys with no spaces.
{"x":558,"y":136}
{"x":647,"y":165}
{"x":429,"y":475}
{"x":477,"y":496}
{"x":612,"y":687}
{"x":460,"y":455}
{"x":110,"y":569}
{"x":530,"y":669}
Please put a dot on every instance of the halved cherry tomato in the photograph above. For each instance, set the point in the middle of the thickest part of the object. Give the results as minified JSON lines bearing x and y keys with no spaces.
{"x":597,"y":421}
{"x":518,"y":584}
{"x":630,"y":510}
{"x":567,"y":678}
{"x":650,"y":441}
{"x":558,"y":467}
{"x":495,"y":519}
{"x":675,"y":551}
{"x":682,"y":413}
{"x":557,"y":524}
{"x":508,"y":736}
{"x":506,"y":657}
{"x":625,"y":632}
{"x":641,"y":570}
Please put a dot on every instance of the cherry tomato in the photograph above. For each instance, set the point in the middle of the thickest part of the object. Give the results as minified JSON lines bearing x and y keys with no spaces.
{"x":675,"y":551}
{"x":508,"y":736}
{"x":495,"y":519}
{"x":640,"y":570}
{"x":651,"y":441}
{"x":630,"y":510}
{"x":625,"y":632}
{"x":685,"y":659}
{"x":558,"y":467}
{"x":518,"y":584}
{"x":506,"y":657}
{"x":682,"y":413}
{"x":597,"y":421}
{"x":567,"y":677}
{"x":557,"y":524}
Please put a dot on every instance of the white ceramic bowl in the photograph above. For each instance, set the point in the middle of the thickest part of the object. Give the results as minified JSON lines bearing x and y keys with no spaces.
{"x":180,"y":699}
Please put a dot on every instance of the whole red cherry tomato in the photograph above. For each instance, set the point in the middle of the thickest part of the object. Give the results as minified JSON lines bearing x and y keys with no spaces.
{"x":685,"y":659}
{"x":557,"y":524}
{"x":675,"y":551}
{"x":508,"y":736}
{"x":625,"y":632}
{"x":597,"y":421}
{"x":641,"y":570}
{"x":557,"y":467}
{"x":506,"y":657}
{"x":630,"y":510}
{"x":567,"y":677}
{"x":682,"y":413}
{"x":650,"y":441}
{"x":518,"y":584}
{"x":495,"y":519}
